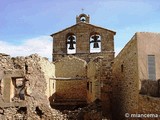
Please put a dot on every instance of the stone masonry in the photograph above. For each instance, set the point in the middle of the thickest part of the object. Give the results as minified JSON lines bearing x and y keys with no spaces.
{"x":125,"y":84}
{"x":83,"y":31}
{"x":82,"y":34}
{"x":70,"y":79}
{"x":35,"y":74}
{"x":84,"y":81}
{"x":30,"y":101}
{"x":133,"y":90}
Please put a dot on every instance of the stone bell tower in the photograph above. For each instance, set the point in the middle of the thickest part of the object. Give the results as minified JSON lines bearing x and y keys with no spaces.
{"x":82,"y":18}
{"x":95,"y":45}
{"x":83,"y":40}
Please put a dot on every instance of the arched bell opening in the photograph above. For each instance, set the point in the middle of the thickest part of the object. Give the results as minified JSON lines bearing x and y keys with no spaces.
{"x":71,"y":43}
{"x":95,"y":42}
{"x":83,"y":18}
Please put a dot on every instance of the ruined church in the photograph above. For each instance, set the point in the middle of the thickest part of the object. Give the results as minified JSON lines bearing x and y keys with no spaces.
{"x":79,"y":75}
{"x":83,"y":55}
{"x":84,"y":81}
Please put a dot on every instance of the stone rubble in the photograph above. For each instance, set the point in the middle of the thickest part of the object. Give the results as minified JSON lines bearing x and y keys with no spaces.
{"x":35,"y":105}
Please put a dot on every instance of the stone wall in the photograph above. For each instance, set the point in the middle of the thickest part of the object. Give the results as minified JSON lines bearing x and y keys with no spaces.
{"x":99,"y":79}
{"x":32,"y":102}
{"x":70,"y":91}
{"x":71,"y":81}
{"x":83,"y":32}
{"x":148,"y":105}
{"x":49,"y":72}
{"x":99,"y":75}
{"x":150,"y":88}
{"x":37,"y":73}
{"x":125,"y":81}
{"x":130,"y":78}
{"x":70,"y":67}
{"x":94,"y":80}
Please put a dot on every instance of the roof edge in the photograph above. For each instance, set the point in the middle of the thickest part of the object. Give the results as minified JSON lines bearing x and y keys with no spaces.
{"x":82,"y":23}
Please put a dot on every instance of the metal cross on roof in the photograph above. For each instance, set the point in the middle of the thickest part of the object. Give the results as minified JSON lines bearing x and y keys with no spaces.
{"x":82,"y":10}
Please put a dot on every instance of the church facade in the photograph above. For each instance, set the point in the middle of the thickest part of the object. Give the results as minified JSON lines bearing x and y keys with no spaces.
{"x":92,"y":44}
{"x":85,"y":76}
{"x":83,"y":40}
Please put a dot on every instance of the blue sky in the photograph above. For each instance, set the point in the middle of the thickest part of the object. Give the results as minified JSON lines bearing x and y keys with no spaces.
{"x":25,"y":25}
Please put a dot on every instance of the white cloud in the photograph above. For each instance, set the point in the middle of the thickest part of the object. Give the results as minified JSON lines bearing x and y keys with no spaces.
{"x":41,"y":45}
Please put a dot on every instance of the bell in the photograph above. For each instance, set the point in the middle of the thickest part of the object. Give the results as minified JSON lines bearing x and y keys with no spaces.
{"x":95,"y":45}
{"x":83,"y":20}
{"x":71,"y":47}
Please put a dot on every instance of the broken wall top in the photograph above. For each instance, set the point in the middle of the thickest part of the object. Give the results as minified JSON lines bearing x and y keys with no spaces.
{"x":70,"y":66}
{"x":33,"y":70}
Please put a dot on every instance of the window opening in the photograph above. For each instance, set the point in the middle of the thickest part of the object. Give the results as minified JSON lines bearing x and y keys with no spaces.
{"x":87,"y":85}
{"x":151,"y":67}
{"x":91,"y":87}
{"x":19,"y":86}
{"x":122,"y":68}
{"x":83,"y":19}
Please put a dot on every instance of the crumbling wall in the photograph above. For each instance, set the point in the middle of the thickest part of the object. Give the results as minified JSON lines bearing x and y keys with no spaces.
{"x":70,"y":80}
{"x":70,"y":67}
{"x":74,"y":90}
{"x":94,"y":79}
{"x":99,"y":73}
{"x":150,"y":88}
{"x":37,"y":86}
{"x":48,"y":69}
{"x":148,"y":105}
{"x":148,"y":99}
{"x":106,"y":82}
{"x":35,"y":104}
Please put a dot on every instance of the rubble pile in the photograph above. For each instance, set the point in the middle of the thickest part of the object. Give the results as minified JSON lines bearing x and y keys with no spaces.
{"x":92,"y":111}
{"x":24,"y":96}
{"x":35,"y":103}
